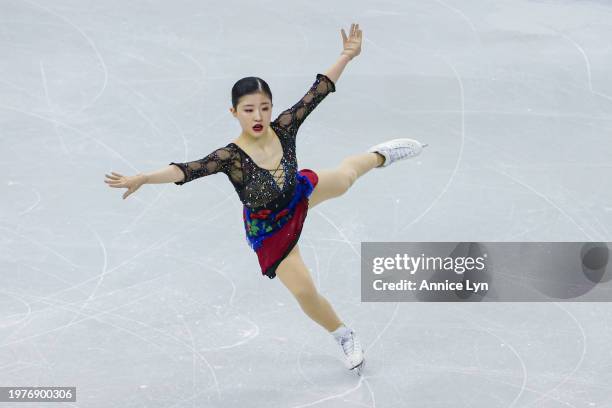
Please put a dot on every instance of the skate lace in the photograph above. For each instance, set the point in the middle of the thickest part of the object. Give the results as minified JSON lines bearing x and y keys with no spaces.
{"x":402,"y":151}
{"x":348,"y":344}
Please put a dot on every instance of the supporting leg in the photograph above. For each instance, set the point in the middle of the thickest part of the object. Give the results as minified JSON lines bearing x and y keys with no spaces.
{"x":296,"y":277}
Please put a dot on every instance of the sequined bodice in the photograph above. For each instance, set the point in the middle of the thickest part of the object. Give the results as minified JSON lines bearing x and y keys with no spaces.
{"x":258,"y":187}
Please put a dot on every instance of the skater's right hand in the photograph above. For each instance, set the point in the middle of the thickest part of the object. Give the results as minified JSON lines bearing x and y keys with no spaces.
{"x":352,"y":43}
{"x":132,"y":183}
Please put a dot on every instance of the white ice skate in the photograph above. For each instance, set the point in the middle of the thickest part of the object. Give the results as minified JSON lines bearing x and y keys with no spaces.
{"x":397,"y":149}
{"x":352,"y":350}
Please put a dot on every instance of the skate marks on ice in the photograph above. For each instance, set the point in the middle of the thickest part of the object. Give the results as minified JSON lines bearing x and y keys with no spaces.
{"x":103,"y":305}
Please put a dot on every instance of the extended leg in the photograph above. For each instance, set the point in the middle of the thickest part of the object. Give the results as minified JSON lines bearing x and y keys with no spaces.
{"x":335,"y":182}
{"x":296,"y":277}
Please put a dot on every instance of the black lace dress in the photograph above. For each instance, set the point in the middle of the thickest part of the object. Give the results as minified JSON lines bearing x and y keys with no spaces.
{"x":275,"y":202}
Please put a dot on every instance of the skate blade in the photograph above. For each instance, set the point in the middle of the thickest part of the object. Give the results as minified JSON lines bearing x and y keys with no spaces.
{"x":359,"y":368}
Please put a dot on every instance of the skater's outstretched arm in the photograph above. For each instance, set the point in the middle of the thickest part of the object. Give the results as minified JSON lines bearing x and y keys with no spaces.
{"x":351,"y":48}
{"x":292,"y":118}
{"x":168,"y":174}
{"x":177,"y":173}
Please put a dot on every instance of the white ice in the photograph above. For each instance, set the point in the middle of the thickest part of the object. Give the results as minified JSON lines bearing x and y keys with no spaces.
{"x":157,"y":301}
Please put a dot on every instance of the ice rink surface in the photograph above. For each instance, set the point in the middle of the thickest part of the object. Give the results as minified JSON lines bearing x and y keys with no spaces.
{"x":157,"y":300}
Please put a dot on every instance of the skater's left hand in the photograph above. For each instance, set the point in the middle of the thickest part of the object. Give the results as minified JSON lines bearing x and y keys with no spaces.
{"x":352,"y":44}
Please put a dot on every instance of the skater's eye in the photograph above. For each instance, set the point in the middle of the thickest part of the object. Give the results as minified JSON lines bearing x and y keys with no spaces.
{"x":251,"y":110}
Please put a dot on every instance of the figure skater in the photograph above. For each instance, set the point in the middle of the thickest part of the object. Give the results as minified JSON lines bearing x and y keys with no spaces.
{"x":262,"y":166}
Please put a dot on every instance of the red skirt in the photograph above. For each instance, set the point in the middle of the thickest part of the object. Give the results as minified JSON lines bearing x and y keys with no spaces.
{"x":272,"y":235}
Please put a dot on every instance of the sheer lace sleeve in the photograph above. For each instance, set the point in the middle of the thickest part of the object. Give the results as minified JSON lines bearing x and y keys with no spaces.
{"x":217,"y":161}
{"x":292,"y":118}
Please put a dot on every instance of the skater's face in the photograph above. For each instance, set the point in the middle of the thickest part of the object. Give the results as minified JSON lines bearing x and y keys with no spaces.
{"x":252,"y":110}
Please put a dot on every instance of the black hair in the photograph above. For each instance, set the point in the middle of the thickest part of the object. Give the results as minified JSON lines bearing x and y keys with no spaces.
{"x":248,"y":86}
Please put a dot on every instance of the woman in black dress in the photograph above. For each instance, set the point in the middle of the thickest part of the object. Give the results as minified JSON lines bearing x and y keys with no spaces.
{"x":262,"y":166}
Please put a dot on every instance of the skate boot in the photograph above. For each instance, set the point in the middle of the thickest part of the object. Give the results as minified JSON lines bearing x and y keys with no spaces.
{"x":352,"y":349}
{"x":397,"y":149}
